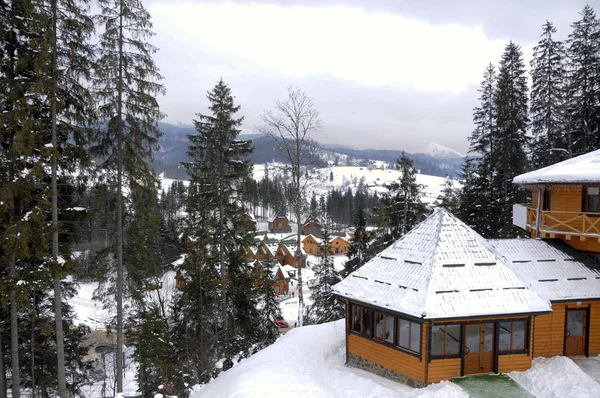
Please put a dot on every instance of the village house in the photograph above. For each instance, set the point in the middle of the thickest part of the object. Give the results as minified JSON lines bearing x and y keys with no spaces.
{"x":279,"y":223}
{"x":286,"y":254}
{"x":443,"y":302}
{"x":311,"y":225}
{"x":248,"y":222}
{"x":280,"y":278}
{"x":338,"y":241}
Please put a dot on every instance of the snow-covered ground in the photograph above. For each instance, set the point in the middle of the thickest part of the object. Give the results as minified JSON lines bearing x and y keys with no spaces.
{"x":349,"y":176}
{"x":89,"y":311}
{"x":561,"y":377}
{"x":310,"y":362}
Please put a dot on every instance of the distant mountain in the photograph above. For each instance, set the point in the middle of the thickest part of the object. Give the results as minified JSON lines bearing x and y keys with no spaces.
{"x":174,"y":144}
{"x":436,"y":150}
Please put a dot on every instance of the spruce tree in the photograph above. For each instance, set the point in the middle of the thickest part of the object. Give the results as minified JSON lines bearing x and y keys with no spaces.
{"x":357,"y":254}
{"x":326,"y":306}
{"x":583,"y":86}
{"x":509,"y":158}
{"x":449,"y":196}
{"x":550,"y":144}
{"x":401,"y":208}
{"x":218,"y":171}
{"x":268,"y":307}
{"x":126,"y":87}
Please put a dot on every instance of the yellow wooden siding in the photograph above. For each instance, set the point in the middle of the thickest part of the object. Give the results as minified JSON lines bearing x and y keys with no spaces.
{"x":443,"y":369}
{"x":400,"y":362}
{"x":549,"y":330}
{"x":512,"y":362}
{"x":588,"y":245}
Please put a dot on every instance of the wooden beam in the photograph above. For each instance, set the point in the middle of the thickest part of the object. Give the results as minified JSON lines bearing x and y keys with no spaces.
{"x":582,"y":238}
{"x":568,"y":237}
{"x":552,"y":236}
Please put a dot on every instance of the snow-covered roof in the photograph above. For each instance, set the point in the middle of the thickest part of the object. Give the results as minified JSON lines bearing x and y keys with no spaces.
{"x":441,"y":269}
{"x":580,"y":169}
{"x":275,"y":216}
{"x":554,"y":270}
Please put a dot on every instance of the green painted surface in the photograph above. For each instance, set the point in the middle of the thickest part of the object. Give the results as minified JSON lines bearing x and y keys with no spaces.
{"x":491,"y":386}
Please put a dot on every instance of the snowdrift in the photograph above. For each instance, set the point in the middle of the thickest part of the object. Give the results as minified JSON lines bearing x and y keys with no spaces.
{"x":310,"y":362}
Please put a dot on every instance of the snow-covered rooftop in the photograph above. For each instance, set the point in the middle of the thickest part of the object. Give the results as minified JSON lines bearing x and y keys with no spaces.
{"x":555,"y":274}
{"x":441,"y":269}
{"x":580,"y":169}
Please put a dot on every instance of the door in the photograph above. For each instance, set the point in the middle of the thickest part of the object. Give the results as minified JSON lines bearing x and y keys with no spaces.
{"x":479,"y":349}
{"x":575,"y":332}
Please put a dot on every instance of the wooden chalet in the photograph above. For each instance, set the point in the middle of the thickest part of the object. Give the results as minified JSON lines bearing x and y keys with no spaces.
{"x":443,"y":302}
{"x":339,"y":243}
{"x":248,"y":222}
{"x":281,"y":281}
{"x":565,"y":203}
{"x":311,"y":225}
{"x":279,"y":223}
{"x":286,"y":254}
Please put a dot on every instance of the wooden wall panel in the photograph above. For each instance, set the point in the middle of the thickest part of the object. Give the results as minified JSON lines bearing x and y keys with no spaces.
{"x":390,"y":358}
{"x":444,"y":369}
{"x":513,"y":362}
{"x":587,"y":245}
{"x":594,"y":322}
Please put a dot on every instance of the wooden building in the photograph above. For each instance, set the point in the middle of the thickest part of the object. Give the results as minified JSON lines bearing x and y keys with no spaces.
{"x":311,"y":225}
{"x":281,"y":282}
{"x":279,"y":223}
{"x":338,"y":241}
{"x":565,"y":203}
{"x":443,"y":302}
{"x":248,"y":222}
{"x":285,"y":253}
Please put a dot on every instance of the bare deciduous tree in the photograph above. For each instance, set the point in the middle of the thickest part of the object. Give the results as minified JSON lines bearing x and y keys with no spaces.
{"x":289,"y":124}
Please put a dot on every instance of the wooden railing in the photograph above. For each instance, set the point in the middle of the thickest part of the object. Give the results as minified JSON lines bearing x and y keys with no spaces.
{"x":575,"y":223}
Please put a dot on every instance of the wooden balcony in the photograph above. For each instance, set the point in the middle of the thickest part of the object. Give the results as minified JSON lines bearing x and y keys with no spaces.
{"x":563,"y":224}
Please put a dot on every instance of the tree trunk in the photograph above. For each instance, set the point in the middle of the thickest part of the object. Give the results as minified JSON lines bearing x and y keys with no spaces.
{"x":2,"y":369}
{"x":119,"y":354}
{"x":222,"y":264}
{"x":60,"y":337}
{"x":14,"y":332}
{"x":32,"y":337}
{"x":299,"y":233}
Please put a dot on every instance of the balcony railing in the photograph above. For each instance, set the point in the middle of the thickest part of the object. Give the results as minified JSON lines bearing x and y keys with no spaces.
{"x":564,"y":222}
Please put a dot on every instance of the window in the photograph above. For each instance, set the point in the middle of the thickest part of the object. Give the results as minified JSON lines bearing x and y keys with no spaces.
{"x":379,"y":325}
{"x":384,"y":327}
{"x":356,"y":318}
{"x":445,"y":340}
{"x":409,"y":335}
{"x":590,"y":199}
{"x":367,"y":321}
{"x":512,"y":336}
{"x":546,"y":199}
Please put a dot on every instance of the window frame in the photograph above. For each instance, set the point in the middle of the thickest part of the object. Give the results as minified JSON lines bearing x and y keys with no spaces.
{"x":395,"y":335}
{"x":526,"y":337}
{"x":585,"y":199}
{"x":546,"y":198}
{"x":444,"y":354}
{"x":398,"y":334}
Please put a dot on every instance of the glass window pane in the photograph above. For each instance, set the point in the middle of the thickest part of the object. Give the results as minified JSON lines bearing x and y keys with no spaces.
{"x":518,"y":335}
{"x":379,"y":326}
{"x":488,"y":341}
{"x":437,"y":340}
{"x":505,"y":335}
{"x":415,"y":337}
{"x":403,"y":333}
{"x":389,"y":328}
{"x":367,"y":321}
{"x":575,"y":323}
{"x":473,"y":337}
{"x":356,"y":318}
{"x":452,"y":339}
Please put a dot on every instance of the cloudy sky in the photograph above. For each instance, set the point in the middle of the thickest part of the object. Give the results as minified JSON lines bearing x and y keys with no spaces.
{"x":384,"y":74}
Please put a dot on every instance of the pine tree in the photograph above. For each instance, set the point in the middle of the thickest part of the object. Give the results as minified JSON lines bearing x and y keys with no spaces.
{"x":269,"y":308}
{"x":550,"y":144}
{"x":357,"y":255}
{"x":126,"y":88}
{"x":583,"y":86}
{"x":449,"y":196}
{"x":326,"y":306}
{"x":509,"y":158}
{"x":217,"y":173}
{"x":401,"y":208}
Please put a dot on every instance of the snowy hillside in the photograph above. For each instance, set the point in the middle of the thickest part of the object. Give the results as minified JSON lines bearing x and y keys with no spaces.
{"x":349,"y":177}
{"x":310,"y":362}
{"x":436,"y":150}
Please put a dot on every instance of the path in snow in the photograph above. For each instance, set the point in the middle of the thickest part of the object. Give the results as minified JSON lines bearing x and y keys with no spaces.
{"x":591,"y":366}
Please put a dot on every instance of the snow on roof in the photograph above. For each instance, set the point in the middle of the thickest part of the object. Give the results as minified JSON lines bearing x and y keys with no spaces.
{"x":580,"y":169}
{"x":275,"y":216}
{"x":441,"y":269}
{"x":288,"y":268}
{"x":555,"y":273}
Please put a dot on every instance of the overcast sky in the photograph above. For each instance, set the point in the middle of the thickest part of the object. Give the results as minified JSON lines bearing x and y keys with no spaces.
{"x":384,"y":74}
